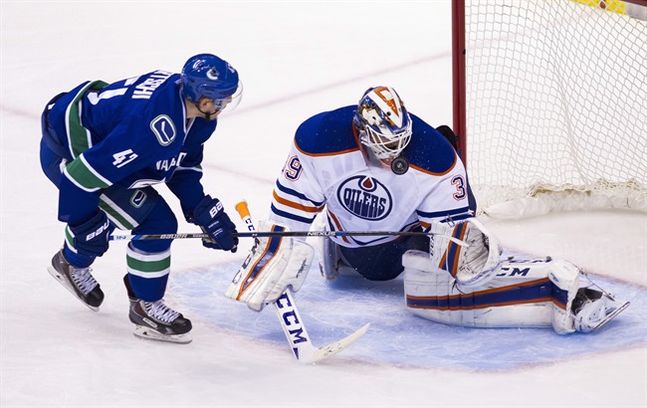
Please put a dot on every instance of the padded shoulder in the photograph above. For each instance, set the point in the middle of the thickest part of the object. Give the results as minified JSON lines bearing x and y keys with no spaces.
{"x":428,"y":150}
{"x":327,"y":133}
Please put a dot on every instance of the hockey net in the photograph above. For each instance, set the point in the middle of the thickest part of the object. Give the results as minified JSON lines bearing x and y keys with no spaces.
{"x":550,"y":103}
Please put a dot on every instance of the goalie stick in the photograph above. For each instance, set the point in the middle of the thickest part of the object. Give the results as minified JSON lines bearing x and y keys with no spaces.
{"x":292,"y":324}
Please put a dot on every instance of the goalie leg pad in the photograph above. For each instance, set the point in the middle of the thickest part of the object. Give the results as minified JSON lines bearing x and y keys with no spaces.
{"x":273,"y":265}
{"x":522,"y":293}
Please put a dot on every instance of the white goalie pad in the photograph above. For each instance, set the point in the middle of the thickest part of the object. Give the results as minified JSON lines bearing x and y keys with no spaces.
{"x":471,"y":262}
{"x":273,"y":265}
{"x":522,"y":293}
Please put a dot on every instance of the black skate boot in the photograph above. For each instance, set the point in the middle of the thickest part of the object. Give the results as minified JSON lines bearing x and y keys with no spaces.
{"x":79,"y":281}
{"x":156,"y":321}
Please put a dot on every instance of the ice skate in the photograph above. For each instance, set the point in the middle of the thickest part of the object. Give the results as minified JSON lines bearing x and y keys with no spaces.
{"x":593,"y":309}
{"x":79,"y":281}
{"x":156,"y":321}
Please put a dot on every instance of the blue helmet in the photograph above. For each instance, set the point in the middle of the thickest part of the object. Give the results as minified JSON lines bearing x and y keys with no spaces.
{"x":207,"y":76}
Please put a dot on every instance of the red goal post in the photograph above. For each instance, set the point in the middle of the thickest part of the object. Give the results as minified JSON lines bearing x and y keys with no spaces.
{"x":550,"y":103}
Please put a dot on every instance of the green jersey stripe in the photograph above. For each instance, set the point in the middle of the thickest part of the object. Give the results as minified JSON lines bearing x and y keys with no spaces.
{"x":79,"y":172}
{"x":78,"y":137}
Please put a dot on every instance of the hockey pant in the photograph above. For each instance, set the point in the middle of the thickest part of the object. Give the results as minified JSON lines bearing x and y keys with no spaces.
{"x":524,"y":293}
{"x":377,"y":263}
{"x":142,"y":211}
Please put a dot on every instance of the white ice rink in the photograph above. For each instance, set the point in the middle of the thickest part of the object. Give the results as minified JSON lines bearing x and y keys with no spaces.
{"x":295,"y":59}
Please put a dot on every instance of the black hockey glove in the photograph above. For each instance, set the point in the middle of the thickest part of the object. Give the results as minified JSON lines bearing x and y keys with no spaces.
{"x":211,"y":217}
{"x":90,"y":238}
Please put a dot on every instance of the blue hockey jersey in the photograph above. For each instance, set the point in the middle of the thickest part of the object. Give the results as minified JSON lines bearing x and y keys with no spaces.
{"x":132,"y":133}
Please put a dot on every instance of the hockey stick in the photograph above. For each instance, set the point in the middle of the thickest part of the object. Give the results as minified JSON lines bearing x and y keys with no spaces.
{"x":260,"y":234}
{"x":291,"y":323}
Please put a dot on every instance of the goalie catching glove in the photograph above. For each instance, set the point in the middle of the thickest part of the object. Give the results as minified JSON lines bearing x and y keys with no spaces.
{"x":274,"y":264}
{"x":473,"y":264}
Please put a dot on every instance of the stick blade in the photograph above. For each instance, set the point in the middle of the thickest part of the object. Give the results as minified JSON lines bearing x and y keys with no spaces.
{"x":331,"y":349}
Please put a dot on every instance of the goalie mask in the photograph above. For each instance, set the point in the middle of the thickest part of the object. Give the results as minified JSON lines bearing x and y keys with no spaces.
{"x":383,"y":122}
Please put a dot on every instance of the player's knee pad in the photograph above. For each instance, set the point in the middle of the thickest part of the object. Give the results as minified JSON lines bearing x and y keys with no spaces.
{"x":331,"y":263}
{"x":329,"y":259}
{"x":427,"y":289}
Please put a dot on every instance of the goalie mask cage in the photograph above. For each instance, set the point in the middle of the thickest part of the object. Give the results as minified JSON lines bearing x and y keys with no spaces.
{"x":550,"y":103}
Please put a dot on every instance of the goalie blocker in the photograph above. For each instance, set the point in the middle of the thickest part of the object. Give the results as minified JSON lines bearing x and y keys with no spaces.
{"x":470,"y":285}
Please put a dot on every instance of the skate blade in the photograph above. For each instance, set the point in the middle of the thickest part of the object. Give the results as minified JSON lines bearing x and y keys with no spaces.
{"x":612,"y":315}
{"x":152,"y":334}
{"x":61,"y":279}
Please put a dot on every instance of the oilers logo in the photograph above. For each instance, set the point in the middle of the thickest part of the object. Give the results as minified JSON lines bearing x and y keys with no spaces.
{"x":365,"y":197}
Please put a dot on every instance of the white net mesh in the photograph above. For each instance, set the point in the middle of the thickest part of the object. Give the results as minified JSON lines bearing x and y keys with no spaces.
{"x":556,"y":100}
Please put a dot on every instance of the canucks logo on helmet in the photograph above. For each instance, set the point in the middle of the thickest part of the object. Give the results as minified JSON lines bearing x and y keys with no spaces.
{"x":208,"y":76}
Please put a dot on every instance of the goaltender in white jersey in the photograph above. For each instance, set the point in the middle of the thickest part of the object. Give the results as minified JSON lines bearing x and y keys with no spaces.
{"x":376,"y":167}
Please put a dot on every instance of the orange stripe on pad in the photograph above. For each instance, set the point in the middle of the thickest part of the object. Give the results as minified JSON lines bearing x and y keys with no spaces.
{"x":484,"y":305}
{"x":443,"y":302}
{"x":269,"y":243}
{"x":459,"y":248}
{"x":489,"y":291}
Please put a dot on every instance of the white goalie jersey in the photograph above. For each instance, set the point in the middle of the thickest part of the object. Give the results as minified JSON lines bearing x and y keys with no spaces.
{"x":327,"y":170}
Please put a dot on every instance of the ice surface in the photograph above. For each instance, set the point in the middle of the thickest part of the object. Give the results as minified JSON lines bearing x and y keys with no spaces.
{"x":295,"y":59}
{"x":333,"y":310}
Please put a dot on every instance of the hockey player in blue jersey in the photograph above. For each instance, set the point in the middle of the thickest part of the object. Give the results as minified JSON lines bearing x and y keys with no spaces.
{"x":104,"y":146}
{"x":376,"y":167}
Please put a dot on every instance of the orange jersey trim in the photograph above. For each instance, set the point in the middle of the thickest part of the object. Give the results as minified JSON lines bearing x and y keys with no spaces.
{"x":294,"y":205}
